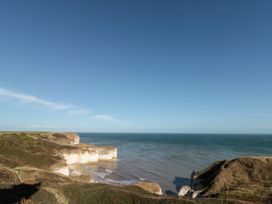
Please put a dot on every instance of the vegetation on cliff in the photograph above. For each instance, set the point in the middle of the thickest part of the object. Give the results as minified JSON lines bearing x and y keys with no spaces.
{"x":245,"y":178}
{"x":26,"y":176}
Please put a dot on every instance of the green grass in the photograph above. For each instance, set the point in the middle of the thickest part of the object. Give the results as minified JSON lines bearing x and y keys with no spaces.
{"x":21,"y":149}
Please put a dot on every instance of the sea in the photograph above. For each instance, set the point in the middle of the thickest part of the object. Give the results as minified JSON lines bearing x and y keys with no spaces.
{"x":167,"y":159}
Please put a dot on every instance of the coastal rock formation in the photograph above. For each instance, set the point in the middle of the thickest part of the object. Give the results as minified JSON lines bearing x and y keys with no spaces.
{"x":62,"y":170}
{"x":245,"y":178}
{"x":84,"y":153}
{"x":196,"y":194}
{"x":151,"y":187}
{"x":51,"y":151}
{"x":184,"y":191}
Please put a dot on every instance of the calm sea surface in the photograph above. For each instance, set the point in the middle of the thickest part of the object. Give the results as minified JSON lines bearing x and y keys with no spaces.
{"x":168,"y":159}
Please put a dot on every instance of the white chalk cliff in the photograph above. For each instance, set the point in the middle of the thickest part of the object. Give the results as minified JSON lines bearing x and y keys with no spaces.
{"x":63,"y":170}
{"x":185,"y":190}
{"x":84,"y":153}
{"x":72,"y":152}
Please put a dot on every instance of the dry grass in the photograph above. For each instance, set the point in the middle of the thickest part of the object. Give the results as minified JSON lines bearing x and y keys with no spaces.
{"x":26,"y":201}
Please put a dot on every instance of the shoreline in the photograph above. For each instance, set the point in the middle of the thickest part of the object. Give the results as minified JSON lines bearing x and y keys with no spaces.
{"x":42,"y":153}
{"x":170,"y":159}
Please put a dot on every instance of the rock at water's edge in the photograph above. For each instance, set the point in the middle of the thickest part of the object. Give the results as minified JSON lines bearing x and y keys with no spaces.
{"x":149,"y":186}
{"x":196,"y":194}
{"x":184,"y":190}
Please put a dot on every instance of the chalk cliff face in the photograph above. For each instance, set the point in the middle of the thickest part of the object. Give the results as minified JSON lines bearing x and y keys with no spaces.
{"x":55,"y":150}
{"x":184,"y":191}
{"x":84,"y":153}
{"x":72,"y":152}
{"x":62,"y":170}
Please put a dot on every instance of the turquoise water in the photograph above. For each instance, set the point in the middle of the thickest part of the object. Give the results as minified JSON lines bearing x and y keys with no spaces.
{"x":169,"y":159}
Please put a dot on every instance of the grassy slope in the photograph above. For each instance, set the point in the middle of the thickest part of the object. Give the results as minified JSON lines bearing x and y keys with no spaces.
{"x":59,"y":189}
{"x":21,"y":149}
{"x":248,"y":178}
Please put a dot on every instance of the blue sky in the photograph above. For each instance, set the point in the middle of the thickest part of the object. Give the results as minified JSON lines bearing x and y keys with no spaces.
{"x":136,"y":66}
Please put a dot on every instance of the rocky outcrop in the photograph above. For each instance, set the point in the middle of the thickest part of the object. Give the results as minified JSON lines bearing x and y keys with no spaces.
{"x":245,"y":178}
{"x":151,"y":187}
{"x":84,"y":153}
{"x":196,"y":194}
{"x":51,"y":151}
{"x":64,"y":170}
{"x":184,"y":191}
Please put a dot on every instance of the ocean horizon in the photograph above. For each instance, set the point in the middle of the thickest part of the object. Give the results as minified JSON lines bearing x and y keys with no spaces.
{"x":167,"y":158}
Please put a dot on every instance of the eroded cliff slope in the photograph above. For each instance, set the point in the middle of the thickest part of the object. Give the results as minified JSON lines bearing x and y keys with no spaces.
{"x":245,"y":178}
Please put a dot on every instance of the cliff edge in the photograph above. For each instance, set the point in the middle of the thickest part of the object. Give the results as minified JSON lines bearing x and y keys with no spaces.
{"x":50,"y":151}
{"x":245,"y":178}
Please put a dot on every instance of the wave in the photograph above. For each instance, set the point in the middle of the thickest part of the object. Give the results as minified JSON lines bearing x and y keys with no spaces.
{"x":122,"y":182}
{"x":109,"y":171}
{"x":141,"y":179}
{"x":101,"y":174}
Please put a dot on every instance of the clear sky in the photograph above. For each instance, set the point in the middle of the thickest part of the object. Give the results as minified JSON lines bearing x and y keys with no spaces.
{"x":136,"y":66}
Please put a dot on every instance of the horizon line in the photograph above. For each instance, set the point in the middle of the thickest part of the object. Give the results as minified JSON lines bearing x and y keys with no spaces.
{"x":116,"y":132}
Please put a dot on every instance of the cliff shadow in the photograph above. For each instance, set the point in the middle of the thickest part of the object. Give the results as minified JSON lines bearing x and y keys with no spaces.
{"x":18,"y":192}
{"x":178,"y":182}
{"x":170,"y":193}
